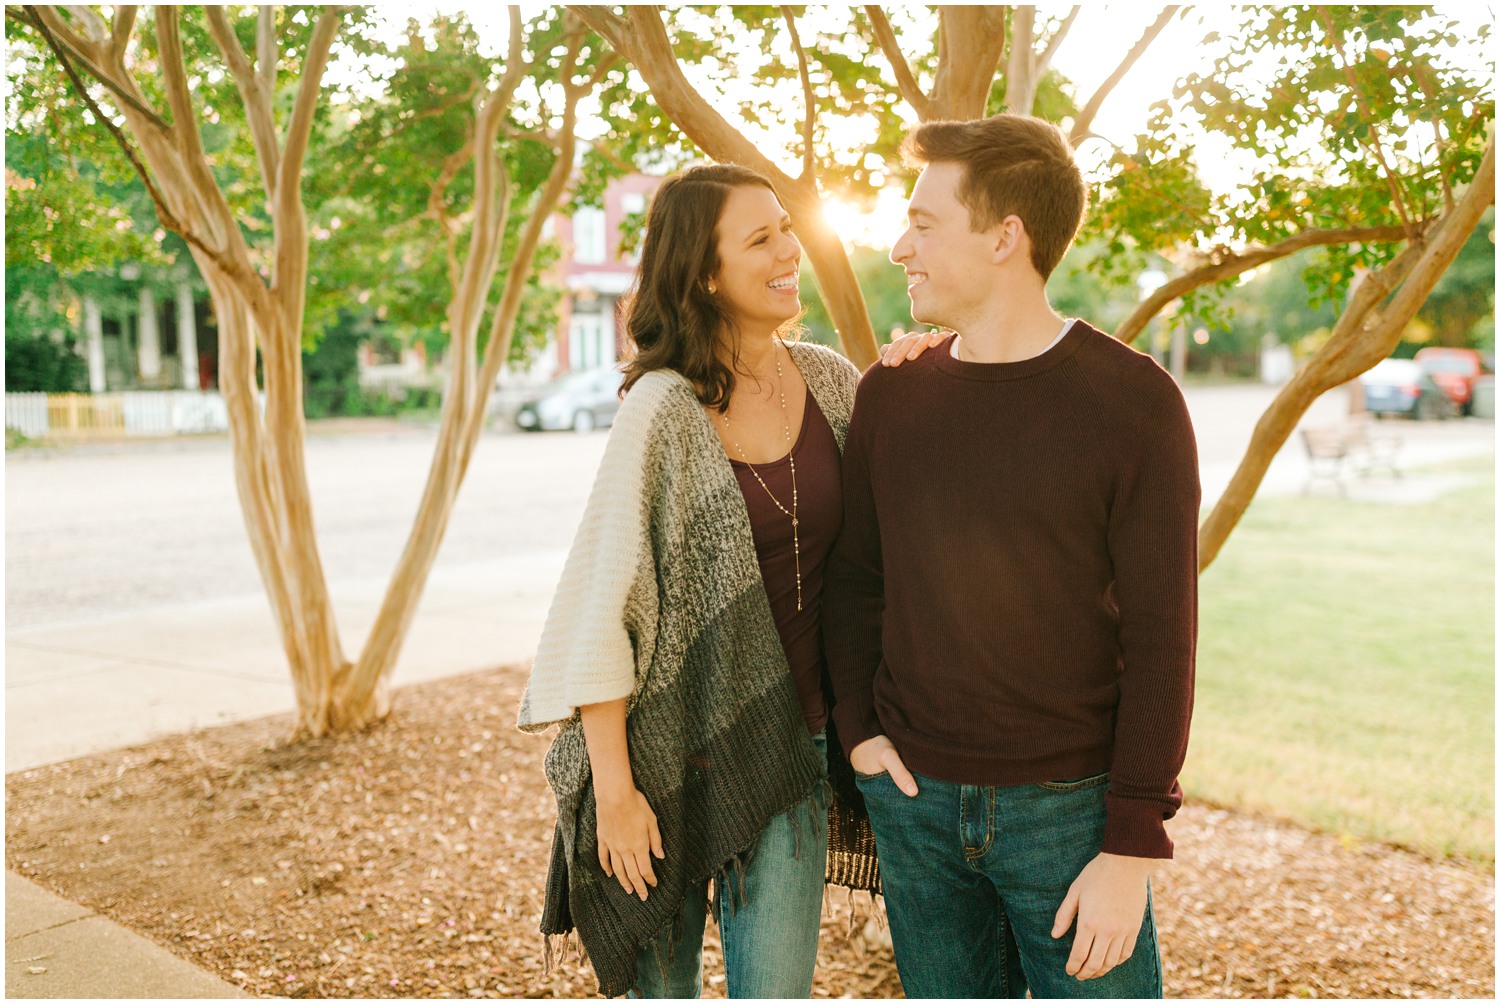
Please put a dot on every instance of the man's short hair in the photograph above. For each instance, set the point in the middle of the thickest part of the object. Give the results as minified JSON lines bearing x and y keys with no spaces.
{"x":1013,"y":165}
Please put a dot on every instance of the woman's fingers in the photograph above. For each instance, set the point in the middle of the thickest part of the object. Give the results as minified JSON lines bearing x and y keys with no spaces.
{"x":620,"y":872}
{"x":637,"y":883}
{"x":643,"y":865}
{"x":656,"y":846}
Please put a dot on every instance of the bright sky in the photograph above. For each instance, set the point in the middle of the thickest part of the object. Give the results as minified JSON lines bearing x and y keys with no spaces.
{"x":1098,"y":39}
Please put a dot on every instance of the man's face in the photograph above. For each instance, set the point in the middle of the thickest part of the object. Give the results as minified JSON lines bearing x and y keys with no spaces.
{"x":948,"y":265}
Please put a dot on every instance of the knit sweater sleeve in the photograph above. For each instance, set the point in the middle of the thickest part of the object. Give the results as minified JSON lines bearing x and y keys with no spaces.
{"x":854,"y":583}
{"x":1153,"y":544}
{"x":601,"y":624}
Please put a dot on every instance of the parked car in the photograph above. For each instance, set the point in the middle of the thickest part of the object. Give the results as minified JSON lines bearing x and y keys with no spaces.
{"x":1454,"y":370}
{"x":581,"y":401}
{"x":1404,"y":387}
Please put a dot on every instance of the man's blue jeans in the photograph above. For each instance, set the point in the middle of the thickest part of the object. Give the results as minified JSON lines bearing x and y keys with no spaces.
{"x":973,"y":879}
{"x":768,"y":925}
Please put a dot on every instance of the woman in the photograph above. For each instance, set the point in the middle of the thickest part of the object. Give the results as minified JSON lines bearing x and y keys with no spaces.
{"x":682,"y":651}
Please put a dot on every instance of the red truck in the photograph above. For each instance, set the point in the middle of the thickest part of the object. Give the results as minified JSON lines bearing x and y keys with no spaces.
{"x":1454,"y":370}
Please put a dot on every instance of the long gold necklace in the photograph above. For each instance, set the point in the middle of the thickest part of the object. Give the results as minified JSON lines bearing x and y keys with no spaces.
{"x":786,"y":428}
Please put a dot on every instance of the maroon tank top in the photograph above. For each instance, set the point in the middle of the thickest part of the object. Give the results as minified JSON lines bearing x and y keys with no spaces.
{"x":820,"y":511}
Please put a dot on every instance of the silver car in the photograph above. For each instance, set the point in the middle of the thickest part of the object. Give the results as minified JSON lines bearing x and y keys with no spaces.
{"x":581,"y":401}
{"x":1404,"y":387}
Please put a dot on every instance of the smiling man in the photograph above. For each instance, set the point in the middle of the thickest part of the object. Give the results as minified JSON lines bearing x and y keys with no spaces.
{"x":1010,"y":612}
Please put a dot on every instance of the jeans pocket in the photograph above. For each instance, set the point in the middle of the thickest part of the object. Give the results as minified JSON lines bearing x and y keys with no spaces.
{"x":860,"y":778}
{"x":1079,"y":784}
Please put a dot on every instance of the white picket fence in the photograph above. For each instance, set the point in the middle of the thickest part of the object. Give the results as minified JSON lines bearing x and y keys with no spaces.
{"x":128,"y":413}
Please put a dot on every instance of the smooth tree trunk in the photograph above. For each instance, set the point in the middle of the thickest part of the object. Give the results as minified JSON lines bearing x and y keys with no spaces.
{"x":466,"y":398}
{"x":264,"y":316}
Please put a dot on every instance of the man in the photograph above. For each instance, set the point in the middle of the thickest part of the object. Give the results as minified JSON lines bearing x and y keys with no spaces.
{"x":1010,"y":611}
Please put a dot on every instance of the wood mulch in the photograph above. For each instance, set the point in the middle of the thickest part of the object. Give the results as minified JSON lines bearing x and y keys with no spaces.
{"x":409,"y":862}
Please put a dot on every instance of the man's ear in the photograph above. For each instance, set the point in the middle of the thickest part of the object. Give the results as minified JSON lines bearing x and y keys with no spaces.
{"x":1010,"y":238}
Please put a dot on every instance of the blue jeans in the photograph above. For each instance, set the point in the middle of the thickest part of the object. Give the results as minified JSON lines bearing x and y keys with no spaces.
{"x":768,"y":912}
{"x":973,"y":878}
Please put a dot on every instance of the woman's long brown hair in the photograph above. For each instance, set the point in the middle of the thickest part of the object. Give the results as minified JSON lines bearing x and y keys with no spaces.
{"x":671,"y":320}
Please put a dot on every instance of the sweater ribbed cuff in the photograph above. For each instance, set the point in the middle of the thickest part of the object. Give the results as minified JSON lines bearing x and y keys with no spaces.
{"x":1134,"y":828}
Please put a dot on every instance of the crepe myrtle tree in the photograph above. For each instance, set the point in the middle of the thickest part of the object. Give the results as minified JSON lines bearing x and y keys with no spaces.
{"x":255,"y":82}
{"x":850,"y":67}
{"x":1370,"y":143}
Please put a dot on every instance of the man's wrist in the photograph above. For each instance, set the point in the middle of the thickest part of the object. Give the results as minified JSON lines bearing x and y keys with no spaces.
{"x":1146,"y":866}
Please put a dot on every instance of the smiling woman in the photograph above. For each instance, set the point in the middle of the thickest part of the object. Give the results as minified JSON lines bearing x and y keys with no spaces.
{"x":683,"y":653}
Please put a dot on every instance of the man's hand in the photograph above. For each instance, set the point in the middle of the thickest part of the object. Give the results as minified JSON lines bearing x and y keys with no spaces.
{"x":876,"y":756}
{"x":1109,"y":899}
{"x":628,"y":837}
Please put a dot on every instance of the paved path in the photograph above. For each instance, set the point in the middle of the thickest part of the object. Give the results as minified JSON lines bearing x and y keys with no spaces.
{"x":59,"y":950}
{"x":133,"y":601}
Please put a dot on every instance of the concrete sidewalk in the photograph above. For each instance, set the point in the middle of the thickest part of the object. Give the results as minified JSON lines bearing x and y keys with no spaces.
{"x":128,"y":679}
{"x":55,"y":949}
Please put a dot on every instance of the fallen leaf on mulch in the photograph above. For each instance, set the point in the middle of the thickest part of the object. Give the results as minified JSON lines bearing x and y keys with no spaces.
{"x":409,"y":862}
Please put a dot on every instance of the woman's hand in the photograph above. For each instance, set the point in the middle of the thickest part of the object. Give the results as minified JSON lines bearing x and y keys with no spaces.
{"x":627,"y":831}
{"x":628,"y":837}
{"x":910,"y":345}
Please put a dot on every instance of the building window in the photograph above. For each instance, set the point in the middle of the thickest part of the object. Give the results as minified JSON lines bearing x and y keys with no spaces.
{"x":588,"y":236}
{"x":593,"y":342}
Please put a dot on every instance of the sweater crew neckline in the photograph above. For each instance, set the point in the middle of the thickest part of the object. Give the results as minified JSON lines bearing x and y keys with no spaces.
{"x":1070,"y":342}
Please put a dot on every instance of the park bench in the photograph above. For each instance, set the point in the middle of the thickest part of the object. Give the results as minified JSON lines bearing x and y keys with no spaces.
{"x":1333,"y":451}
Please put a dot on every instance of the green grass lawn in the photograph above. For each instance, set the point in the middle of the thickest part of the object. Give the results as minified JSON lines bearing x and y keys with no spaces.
{"x":1346,"y":668}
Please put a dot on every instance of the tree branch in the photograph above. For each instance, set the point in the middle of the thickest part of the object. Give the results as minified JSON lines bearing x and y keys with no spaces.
{"x":1373,"y":144}
{"x":266,"y":51}
{"x":1358,"y":342}
{"x":120,"y":31}
{"x":1424,"y":80}
{"x":1045,"y":59}
{"x":643,"y":40}
{"x":971,"y":41}
{"x":1020,"y":85}
{"x":606,"y":63}
{"x":60,"y":37}
{"x":184,"y":132}
{"x":605,"y":22}
{"x":1085,"y":118}
{"x":1238,"y":263}
{"x":163,"y":211}
{"x":94,"y":25}
{"x":572,"y":89}
{"x":299,"y":128}
{"x":809,"y":101}
{"x":258,"y":103}
{"x":906,"y":82}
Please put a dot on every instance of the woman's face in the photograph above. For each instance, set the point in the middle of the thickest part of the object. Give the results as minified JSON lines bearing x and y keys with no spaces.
{"x":758,"y":260}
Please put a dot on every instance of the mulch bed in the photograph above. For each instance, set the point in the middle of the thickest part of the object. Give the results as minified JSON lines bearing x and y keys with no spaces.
{"x":409,"y":862}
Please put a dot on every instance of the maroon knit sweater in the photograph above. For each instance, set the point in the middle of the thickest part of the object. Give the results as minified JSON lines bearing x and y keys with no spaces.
{"x":1013,"y":597}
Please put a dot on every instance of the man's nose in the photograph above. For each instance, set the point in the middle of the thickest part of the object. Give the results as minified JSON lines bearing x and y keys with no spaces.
{"x":900,"y":251}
